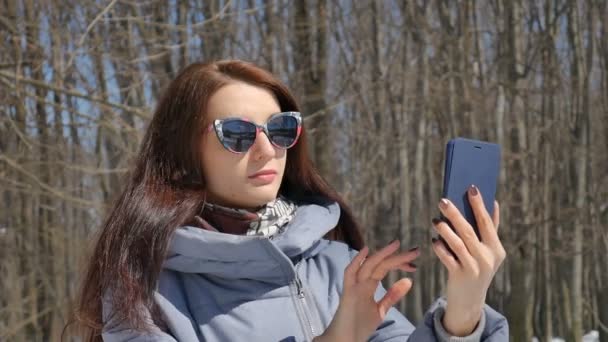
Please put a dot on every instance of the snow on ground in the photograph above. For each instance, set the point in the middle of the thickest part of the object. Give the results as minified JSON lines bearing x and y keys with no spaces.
{"x":592,"y":336}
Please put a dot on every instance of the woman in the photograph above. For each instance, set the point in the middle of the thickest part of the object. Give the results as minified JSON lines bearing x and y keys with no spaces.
{"x":225,"y":232}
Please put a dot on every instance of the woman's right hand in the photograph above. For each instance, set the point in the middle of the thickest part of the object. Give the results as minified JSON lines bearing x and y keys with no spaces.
{"x":358,"y":314}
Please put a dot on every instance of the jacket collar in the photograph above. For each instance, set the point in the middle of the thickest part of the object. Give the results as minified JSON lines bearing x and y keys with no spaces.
{"x":196,"y":250}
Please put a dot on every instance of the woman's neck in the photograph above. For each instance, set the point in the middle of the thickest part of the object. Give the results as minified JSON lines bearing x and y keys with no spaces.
{"x":229,"y":220}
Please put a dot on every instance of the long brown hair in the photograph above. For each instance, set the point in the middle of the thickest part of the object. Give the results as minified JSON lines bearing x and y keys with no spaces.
{"x":165,"y":189}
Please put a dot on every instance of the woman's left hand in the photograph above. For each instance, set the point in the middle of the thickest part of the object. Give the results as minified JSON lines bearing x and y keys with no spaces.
{"x":470,"y":276}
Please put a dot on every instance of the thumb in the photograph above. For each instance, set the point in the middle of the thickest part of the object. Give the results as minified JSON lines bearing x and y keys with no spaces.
{"x":393,"y":295}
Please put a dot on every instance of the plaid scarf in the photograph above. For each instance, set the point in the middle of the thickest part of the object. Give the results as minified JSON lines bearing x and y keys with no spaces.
{"x":269,"y":220}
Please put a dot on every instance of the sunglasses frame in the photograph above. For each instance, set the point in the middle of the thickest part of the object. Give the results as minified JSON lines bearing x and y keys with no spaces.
{"x":217,"y":124}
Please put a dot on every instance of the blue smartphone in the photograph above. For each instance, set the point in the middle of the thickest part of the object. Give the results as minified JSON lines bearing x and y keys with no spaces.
{"x":469,"y":162}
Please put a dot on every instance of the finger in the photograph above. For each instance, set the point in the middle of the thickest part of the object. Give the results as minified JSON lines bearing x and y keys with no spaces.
{"x":370,"y":263}
{"x":408,"y":267}
{"x":461,"y":225}
{"x":496,"y":215}
{"x":350,"y":272}
{"x":482,"y":217}
{"x":394,"y":262}
{"x":456,"y":244}
{"x":446,"y":258}
{"x":394,"y":295}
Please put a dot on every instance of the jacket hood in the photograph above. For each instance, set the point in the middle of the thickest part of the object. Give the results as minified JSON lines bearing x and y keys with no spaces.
{"x":196,"y":250}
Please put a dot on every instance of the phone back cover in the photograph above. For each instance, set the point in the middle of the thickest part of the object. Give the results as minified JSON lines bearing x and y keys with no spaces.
{"x":471,"y":162}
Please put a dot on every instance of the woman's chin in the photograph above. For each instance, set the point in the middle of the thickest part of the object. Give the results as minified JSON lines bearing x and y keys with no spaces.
{"x":260,"y":197}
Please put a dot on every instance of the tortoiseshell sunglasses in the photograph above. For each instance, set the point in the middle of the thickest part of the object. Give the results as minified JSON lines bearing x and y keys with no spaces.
{"x":237,"y":134}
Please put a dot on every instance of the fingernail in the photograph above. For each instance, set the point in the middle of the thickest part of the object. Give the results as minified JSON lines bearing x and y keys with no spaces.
{"x":412,"y":264}
{"x":473,"y":190}
{"x":413,"y":249}
{"x":436,"y":220}
{"x":443,"y":204}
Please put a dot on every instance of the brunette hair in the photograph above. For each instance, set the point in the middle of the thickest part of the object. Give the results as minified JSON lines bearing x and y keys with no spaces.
{"x":165,"y":189}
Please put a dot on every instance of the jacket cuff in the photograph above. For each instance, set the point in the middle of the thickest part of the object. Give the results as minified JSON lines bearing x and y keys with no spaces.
{"x":444,"y":336}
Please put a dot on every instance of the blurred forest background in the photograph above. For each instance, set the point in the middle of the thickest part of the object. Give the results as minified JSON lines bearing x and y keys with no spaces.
{"x":383,"y":86}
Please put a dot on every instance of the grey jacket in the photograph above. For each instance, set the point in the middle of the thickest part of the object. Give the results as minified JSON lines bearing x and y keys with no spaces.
{"x":224,"y":287}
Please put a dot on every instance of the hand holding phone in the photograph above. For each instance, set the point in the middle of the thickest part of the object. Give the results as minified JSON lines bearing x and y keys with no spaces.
{"x":474,"y":259}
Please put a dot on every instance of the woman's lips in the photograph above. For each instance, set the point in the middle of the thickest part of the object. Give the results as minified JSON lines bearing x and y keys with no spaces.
{"x":263,"y":177}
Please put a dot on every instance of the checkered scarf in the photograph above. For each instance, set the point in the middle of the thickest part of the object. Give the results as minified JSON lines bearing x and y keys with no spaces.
{"x":270,"y":220}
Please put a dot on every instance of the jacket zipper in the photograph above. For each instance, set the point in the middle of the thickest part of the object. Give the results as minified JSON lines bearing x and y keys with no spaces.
{"x":302,"y":297}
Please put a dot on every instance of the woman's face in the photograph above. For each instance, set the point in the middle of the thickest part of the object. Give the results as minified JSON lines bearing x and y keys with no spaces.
{"x":228,"y":174}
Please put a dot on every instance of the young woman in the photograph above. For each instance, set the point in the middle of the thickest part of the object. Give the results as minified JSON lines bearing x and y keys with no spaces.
{"x":226,"y":232}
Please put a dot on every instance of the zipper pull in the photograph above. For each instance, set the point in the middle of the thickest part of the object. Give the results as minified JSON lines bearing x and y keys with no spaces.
{"x":299,"y":285}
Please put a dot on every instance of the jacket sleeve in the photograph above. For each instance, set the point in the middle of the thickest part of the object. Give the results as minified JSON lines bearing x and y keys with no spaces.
{"x":114,"y":331}
{"x":493,"y":327}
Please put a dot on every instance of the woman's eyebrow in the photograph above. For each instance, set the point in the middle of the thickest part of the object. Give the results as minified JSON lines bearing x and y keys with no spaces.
{"x":246,"y":116}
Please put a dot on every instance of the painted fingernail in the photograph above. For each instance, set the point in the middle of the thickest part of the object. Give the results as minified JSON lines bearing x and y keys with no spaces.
{"x":435,"y":220}
{"x":473,"y":190}
{"x":443,"y":204}
{"x":413,"y":249}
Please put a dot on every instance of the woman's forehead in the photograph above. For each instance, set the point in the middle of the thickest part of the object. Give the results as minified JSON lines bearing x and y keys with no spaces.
{"x":243,"y":100}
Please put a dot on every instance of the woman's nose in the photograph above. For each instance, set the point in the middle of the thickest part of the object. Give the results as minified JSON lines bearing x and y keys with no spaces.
{"x":262,"y":145}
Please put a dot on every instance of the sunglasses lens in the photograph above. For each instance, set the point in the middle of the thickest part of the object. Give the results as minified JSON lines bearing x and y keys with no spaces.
{"x":283,"y":131}
{"x":239,"y":135}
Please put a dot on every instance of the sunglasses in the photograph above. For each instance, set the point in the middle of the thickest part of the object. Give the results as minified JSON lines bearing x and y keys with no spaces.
{"x":237,"y":135}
